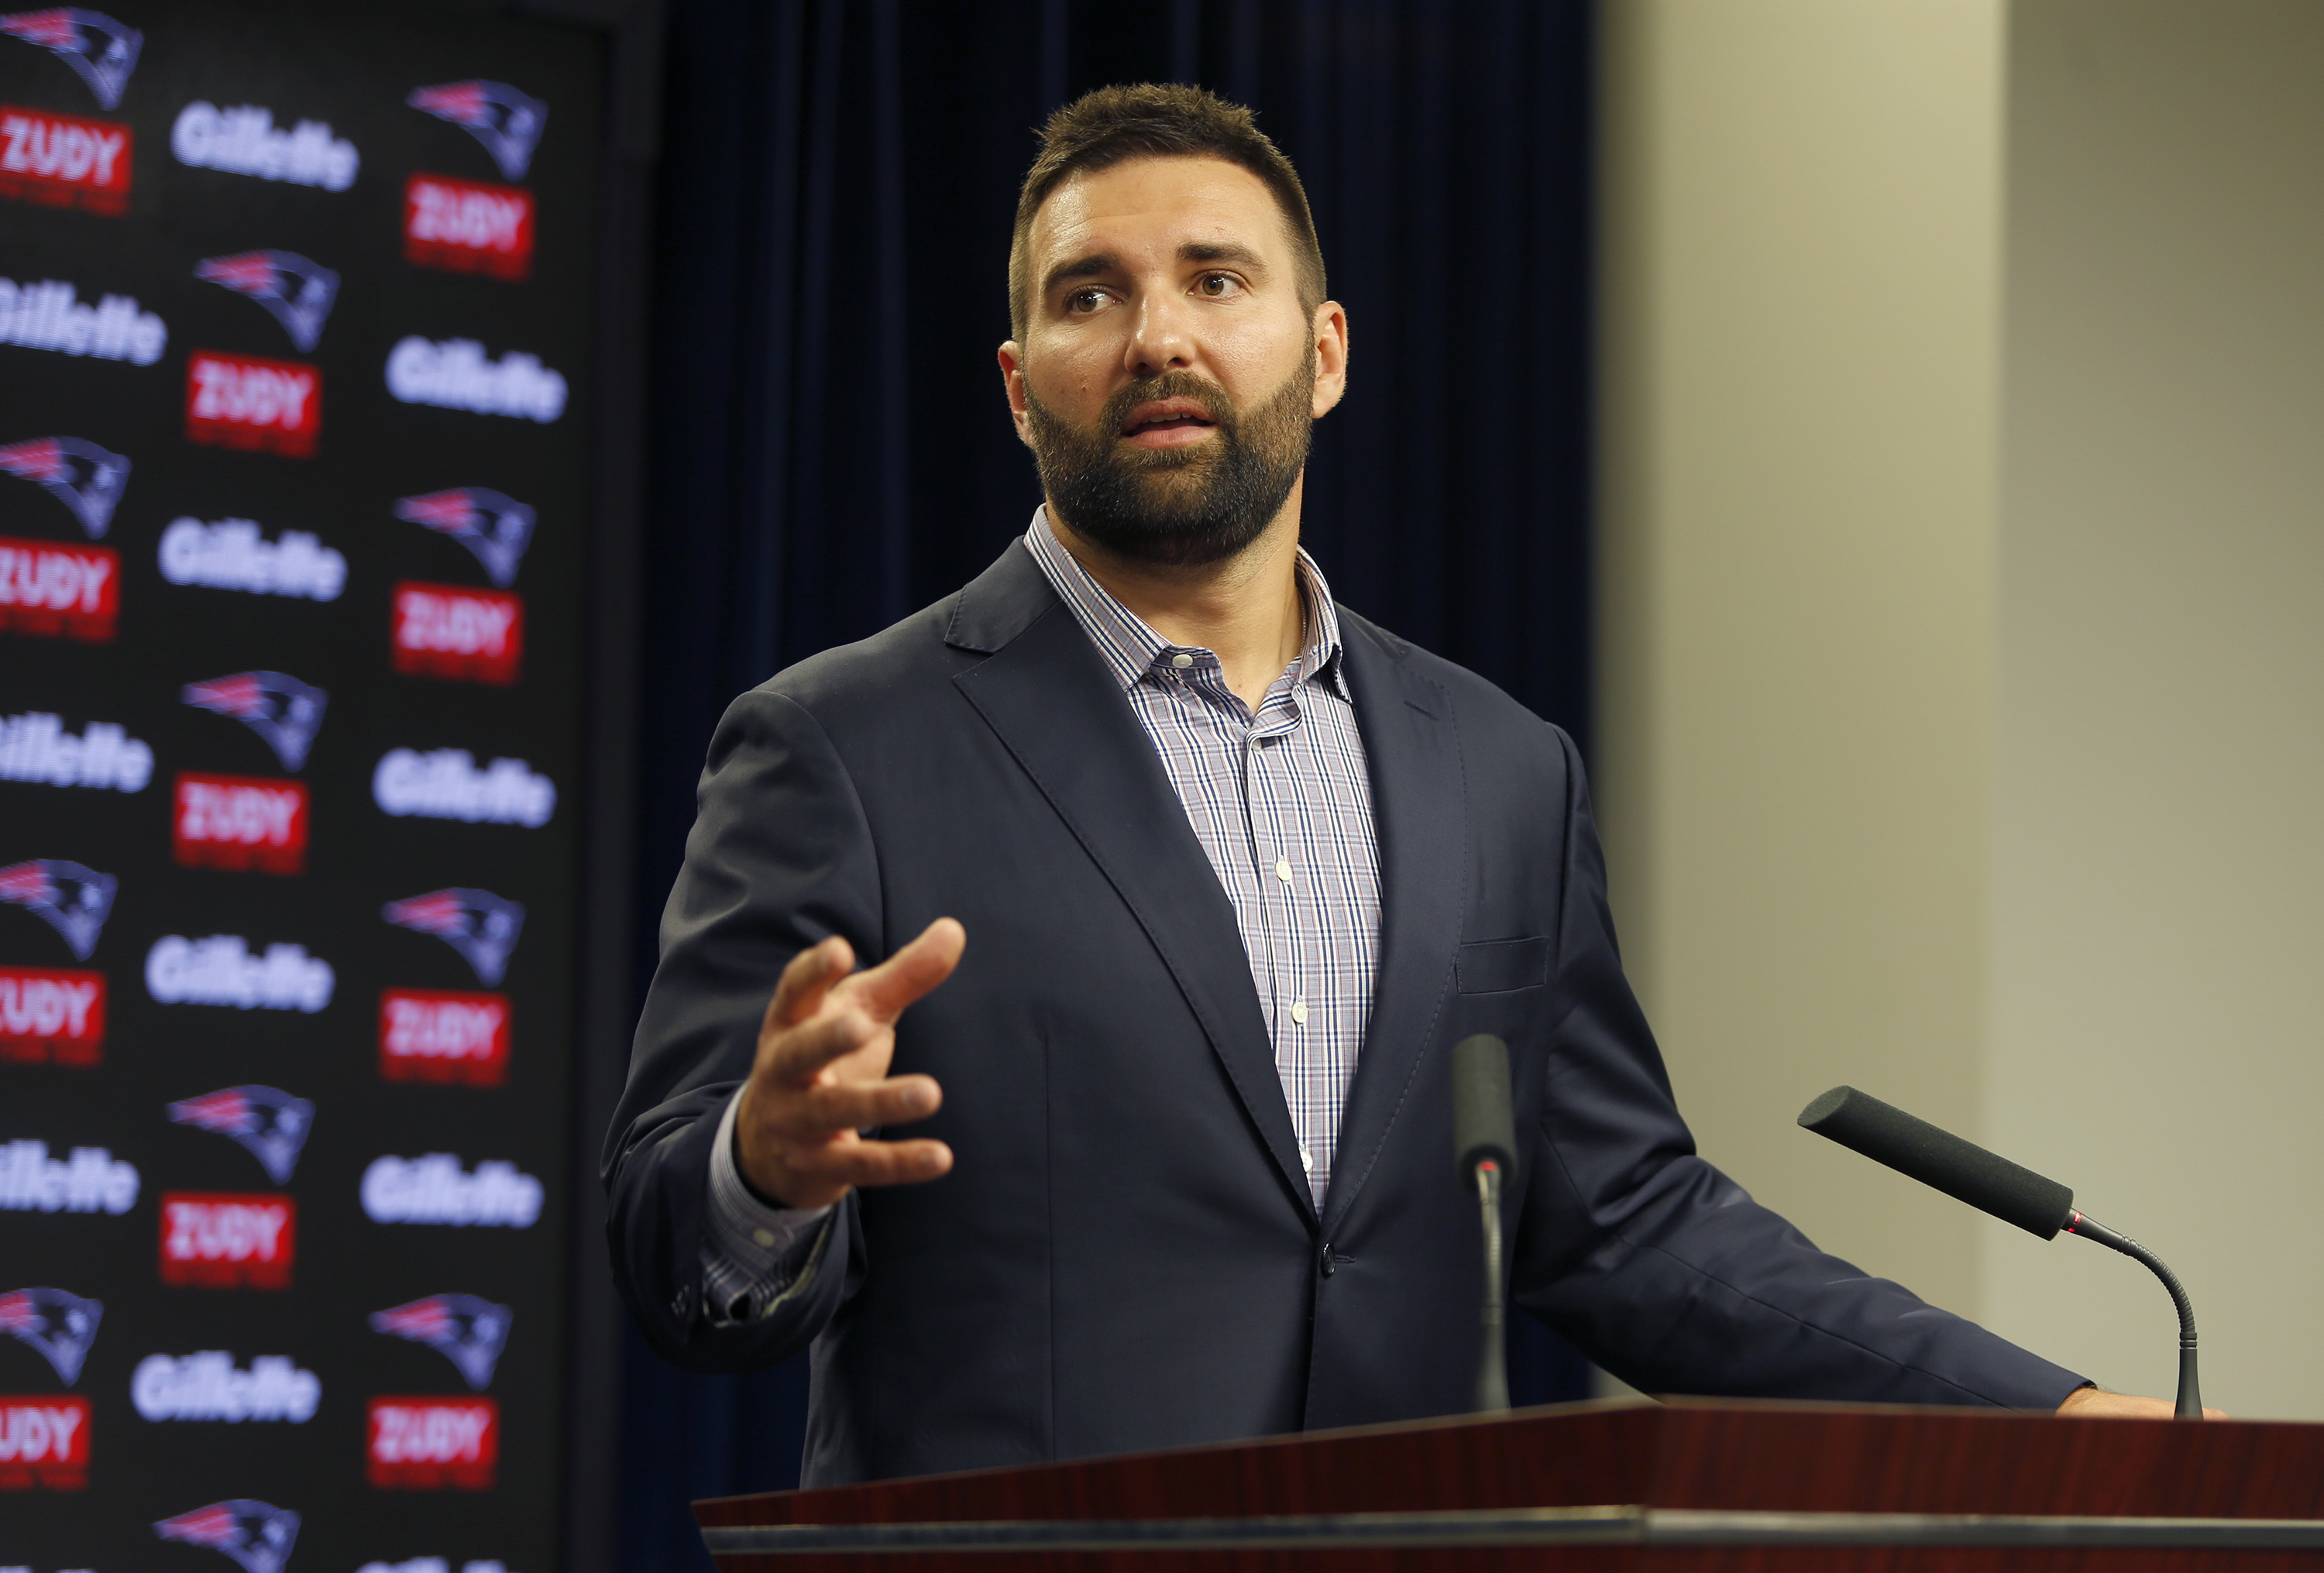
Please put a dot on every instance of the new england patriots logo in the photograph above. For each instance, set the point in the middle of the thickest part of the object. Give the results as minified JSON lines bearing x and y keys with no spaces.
{"x":468,"y":1331}
{"x":277,"y":706}
{"x":73,"y":900}
{"x":257,"y":1535}
{"x":298,"y":292}
{"x":79,"y":475}
{"x":479,"y":924}
{"x":268,"y":1121}
{"x":497,"y":528}
{"x":60,"y":1326}
{"x":507,"y":122}
{"x":92,"y":44}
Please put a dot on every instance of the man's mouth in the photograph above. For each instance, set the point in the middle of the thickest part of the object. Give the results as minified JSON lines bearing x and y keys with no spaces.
{"x":1165,"y":422}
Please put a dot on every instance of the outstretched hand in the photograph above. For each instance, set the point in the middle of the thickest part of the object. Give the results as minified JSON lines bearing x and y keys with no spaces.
{"x":820,"y":1075}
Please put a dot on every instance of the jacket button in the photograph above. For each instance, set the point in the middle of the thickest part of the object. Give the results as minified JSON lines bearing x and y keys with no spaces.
{"x":1329,"y":1265}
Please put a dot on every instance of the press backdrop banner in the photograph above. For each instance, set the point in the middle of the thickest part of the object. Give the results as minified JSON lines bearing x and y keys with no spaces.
{"x":294,"y":387}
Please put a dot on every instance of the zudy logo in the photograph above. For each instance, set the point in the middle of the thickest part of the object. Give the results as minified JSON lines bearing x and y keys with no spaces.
{"x":62,"y":161}
{"x":51,"y":1014}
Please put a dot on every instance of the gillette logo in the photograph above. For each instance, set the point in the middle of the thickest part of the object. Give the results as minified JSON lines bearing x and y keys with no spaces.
{"x":434,"y":1034}
{"x":63,"y":160}
{"x":92,"y":1181}
{"x":59,"y":1325}
{"x":467,"y":226}
{"x":245,"y":140}
{"x":207,"y":1386}
{"x":232,"y":821}
{"x":231,"y":555}
{"x":100,"y":51}
{"x":35,"y":747}
{"x":212,"y":1241}
{"x":47,"y":316}
{"x":435,"y":1190}
{"x":221,"y":970}
{"x":44,"y":1442}
{"x":443,"y":632}
{"x":446,"y":784}
{"x":258,"y":1535}
{"x":50,"y":590}
{"x":47,"y":1013}
{"x":425,"y":1444}
{"x":455,"y":375}
{"x":296,"y":292}
{"x":243,"y":401}
{"x":482,"y":926}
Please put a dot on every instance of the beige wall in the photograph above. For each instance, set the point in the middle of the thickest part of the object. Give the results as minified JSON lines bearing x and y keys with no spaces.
{"x":1963,"y":603}
{"x":1801,"y":290}
{"x":2158,"y":854}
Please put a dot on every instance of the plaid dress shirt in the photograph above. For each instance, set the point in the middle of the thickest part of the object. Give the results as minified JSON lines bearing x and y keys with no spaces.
{"x":1280,"y":800}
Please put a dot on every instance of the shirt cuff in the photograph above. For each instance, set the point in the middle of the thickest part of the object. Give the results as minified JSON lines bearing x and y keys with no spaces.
{"x":754,"y":1257}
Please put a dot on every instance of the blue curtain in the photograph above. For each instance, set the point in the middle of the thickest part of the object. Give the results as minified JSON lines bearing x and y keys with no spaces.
{"x":829,"y":449}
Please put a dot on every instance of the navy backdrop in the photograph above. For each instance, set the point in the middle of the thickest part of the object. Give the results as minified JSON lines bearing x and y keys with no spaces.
{"x":829,"y":447}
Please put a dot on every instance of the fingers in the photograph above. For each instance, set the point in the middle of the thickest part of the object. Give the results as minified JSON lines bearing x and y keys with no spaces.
{"x":884,"y":990}
{"x":845,"y":1106}
{"x":805,"y":982}
{"x":793,"y":1055}
{"x":862,"y":1162}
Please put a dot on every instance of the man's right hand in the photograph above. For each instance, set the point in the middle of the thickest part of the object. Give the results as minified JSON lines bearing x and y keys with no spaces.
{"x":822,"y":1074}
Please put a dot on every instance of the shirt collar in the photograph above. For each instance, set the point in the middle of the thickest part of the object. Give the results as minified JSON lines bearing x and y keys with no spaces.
{"x":1132,"y":648}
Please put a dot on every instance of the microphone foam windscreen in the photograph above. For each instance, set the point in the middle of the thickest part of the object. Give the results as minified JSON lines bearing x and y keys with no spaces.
{"x":1482,"y":1125}
{"x":1961,"y":1170}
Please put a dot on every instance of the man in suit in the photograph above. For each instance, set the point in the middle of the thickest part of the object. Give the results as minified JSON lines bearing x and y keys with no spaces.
{"x":1181,"y":882}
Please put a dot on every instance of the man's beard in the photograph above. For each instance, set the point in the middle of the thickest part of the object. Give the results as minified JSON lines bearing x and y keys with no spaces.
{"x":1177,"y":507}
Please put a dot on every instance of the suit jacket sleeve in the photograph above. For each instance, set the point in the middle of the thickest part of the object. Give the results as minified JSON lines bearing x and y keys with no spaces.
{"x":1662,"y":1268}
{"x":780,"y":858}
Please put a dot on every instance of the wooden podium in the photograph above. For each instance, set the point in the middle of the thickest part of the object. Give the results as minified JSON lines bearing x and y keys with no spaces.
{"x":1694,"y":1484}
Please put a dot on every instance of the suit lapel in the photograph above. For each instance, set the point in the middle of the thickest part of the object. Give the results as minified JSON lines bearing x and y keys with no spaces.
{"x":1047,"y":694}
{"x":1419,"y":808}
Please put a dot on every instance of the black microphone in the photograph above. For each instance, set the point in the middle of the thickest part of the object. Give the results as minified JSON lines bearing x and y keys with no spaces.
{"x":1484,"y":1139}
{"x":1991,"y":1183}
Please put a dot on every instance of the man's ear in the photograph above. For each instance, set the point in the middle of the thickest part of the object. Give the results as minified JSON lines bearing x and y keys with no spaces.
{"x":1012,"y":383}
{"x":1329,"y":333}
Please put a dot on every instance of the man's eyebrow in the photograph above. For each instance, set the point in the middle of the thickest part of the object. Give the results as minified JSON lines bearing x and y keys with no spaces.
{"x":1222,"y":251}
{"x":1086,"y":267}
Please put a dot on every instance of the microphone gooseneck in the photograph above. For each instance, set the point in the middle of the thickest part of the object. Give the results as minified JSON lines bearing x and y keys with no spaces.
{"x":2190,"y":1392}
{"x":1484,"y":1140}
{"x":2010,"y":1191}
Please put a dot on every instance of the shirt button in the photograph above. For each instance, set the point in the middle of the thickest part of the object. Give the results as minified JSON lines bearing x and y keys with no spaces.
{"x":1182,"y":660}
{"x":1283,"y":869}
{"x":1299,"y":1011}
{"x":764,"y":1236}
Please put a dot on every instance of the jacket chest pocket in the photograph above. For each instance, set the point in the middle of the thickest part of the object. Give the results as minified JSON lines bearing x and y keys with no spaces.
{"x":1502,"y":966}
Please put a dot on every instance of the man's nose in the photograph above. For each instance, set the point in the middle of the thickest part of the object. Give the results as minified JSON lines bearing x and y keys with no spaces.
{"x":1160,"y":339}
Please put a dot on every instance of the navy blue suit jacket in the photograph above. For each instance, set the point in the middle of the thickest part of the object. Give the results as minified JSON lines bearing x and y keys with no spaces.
{"x":1125,"y":1254}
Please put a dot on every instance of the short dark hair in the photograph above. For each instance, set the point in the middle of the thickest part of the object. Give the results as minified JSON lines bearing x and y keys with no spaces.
{"x":1157,"y":120}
